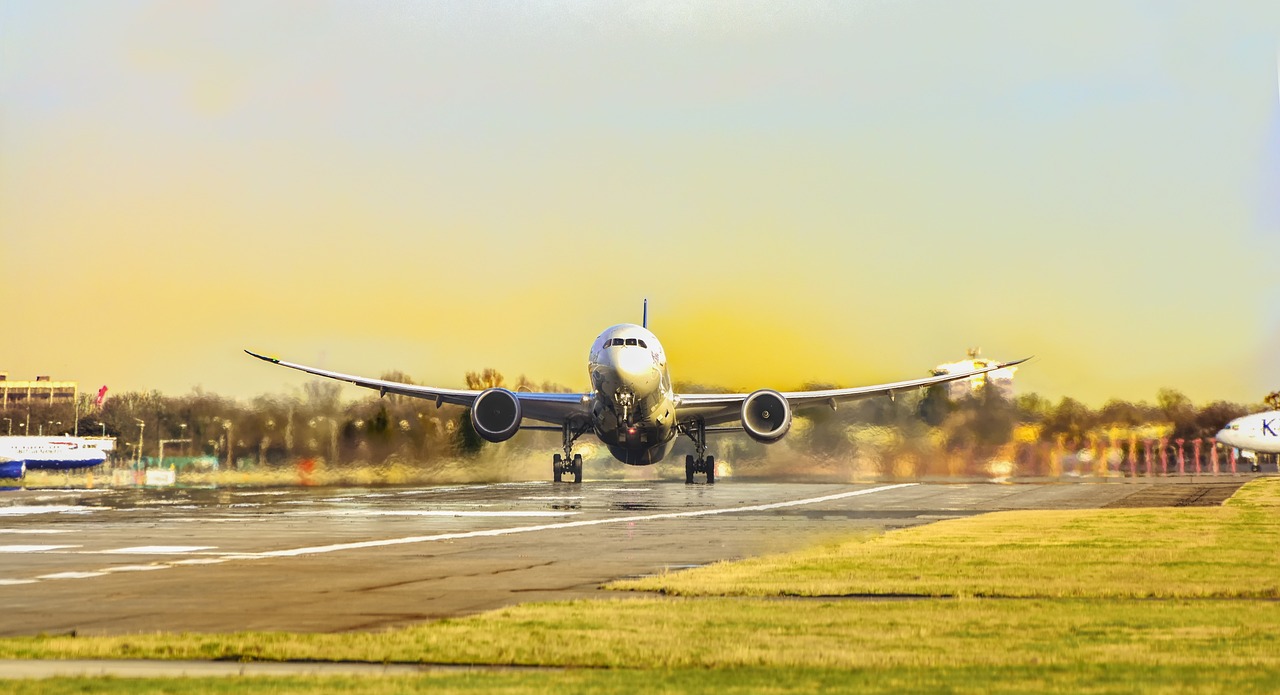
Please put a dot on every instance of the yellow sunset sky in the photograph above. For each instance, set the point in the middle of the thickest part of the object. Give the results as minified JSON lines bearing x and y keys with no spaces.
{"x":805,"y":191}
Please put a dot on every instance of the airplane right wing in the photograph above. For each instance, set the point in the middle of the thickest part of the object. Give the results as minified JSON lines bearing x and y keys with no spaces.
{"x":718,"y":408}
{"x":555,"y":408}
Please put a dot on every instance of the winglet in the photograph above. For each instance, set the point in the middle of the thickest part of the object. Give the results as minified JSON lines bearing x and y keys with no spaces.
{"x":272,"y":360}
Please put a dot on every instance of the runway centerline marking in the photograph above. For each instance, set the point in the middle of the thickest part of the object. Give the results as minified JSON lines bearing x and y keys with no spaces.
{"x":358,"y":545}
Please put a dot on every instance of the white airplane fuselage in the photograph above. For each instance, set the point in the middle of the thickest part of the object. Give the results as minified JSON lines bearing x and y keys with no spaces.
{"x":1252,"y":434}
{"x":633,"y":405}
{"x":21,"y":453}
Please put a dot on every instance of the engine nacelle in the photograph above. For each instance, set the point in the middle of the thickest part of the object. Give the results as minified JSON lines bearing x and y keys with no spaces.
{"x":766,"y":416}
{"x":496,"y":415}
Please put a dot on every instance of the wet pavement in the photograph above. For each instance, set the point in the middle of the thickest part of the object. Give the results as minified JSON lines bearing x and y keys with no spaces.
{"x":336,"y":559}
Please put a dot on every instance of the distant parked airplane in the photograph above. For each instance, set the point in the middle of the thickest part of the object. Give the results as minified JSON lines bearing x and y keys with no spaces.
{"x":19,"y":454}
{"x":1253,"y":434}
{"x":632,"y":407}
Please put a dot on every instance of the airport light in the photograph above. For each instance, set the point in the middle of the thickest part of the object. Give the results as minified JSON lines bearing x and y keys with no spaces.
{"x":142,"y":426}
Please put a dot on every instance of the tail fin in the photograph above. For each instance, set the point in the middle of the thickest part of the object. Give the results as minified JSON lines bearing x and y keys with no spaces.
{"x":644,"y":321}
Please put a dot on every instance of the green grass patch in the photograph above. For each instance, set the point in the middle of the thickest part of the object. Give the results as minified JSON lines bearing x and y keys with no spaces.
{"x":1227,"y":551}
{"x":649,"y":633}
{"x":1084,"y":679}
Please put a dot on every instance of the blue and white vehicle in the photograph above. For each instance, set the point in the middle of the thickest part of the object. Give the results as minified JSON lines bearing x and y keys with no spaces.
{"x":20,"y":454}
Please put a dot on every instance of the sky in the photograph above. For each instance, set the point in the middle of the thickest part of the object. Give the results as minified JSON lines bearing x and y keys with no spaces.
{"x":835,"y":192}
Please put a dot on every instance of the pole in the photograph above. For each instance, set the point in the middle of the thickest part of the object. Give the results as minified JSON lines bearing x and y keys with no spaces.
{"x":142,"y":426}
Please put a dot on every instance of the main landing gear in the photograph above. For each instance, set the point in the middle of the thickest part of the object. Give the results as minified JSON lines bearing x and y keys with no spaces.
{"x":570,"y":463}
{"x":701,"y":463}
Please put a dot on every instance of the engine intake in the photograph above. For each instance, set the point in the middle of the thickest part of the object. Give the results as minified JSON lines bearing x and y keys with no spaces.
{"x":496,"y":415}
{"x":766,"y":416}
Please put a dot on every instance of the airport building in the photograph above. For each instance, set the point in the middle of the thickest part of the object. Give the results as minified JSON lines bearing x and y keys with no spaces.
{"x":42,"y":390}
{"x":1000,"y":379}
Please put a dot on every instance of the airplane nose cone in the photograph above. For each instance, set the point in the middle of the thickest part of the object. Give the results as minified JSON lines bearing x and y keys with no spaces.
{"x":637,"y":369}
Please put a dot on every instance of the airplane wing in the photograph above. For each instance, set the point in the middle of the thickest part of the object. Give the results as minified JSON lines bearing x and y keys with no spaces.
{"x":717,"y":408}
{"x":556,"y":408}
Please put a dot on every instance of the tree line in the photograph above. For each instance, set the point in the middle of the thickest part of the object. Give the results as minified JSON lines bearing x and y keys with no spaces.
{"x":315,"y":422}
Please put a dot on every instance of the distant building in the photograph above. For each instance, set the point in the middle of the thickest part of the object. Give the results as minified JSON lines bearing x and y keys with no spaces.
{"x":42,"y":390}
{"x":1000,"y":379}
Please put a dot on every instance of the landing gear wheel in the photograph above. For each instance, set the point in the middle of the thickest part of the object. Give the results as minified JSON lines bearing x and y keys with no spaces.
{"x":689,"y":469}
{"x":557,"y":467}
{"x":711,"y":470}
{"x":577,"y":468}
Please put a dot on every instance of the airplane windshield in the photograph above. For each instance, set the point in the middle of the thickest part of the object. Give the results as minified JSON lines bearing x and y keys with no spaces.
{"x":631,"y":341}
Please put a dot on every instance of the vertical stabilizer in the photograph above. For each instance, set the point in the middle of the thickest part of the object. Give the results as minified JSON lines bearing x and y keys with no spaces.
{"x":644,"y":320}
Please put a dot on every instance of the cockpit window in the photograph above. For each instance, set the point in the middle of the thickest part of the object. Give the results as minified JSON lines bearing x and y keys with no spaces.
{"x":631,"y":341}
{"x":617,"y":341}
{"x":642,"y":344}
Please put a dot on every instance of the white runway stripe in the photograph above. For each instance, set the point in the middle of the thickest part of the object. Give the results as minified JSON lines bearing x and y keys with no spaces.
{"x":34,"y":531}
{"x":33,"y":548}
{"x":44,"y":509}
{"x":315,"y":550}
{"x":159,"y":549}
{"x":16,"y":582}
{"x":72,"y":575}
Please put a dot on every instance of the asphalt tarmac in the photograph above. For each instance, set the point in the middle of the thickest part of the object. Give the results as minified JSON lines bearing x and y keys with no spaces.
{"x":329,"y":560}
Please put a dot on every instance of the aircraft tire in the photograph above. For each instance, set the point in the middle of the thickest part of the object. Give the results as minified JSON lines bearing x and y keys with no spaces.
{"x":711,"y":470}
{"x":688,"y":469}
{"x":557,"y":468}
{"x":577,"y":468}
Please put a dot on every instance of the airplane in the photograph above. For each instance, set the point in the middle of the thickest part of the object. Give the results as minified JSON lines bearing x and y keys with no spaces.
{"x":632,"y":407}
{"x":20,"y":454}
{"x":1253,"y":434}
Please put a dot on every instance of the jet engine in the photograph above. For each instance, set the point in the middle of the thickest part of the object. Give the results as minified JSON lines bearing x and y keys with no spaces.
{"x":496,"y":415}
{"x":766,"y":416}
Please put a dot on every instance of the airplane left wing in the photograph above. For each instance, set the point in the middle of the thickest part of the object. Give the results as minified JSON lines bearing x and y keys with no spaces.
{"x":556,"y":408}
{"x":717,"y":408}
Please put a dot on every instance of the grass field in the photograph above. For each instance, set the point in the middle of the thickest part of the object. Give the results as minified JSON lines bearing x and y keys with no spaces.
{"x":1229,"y":551}
{"x":1075,"y":614}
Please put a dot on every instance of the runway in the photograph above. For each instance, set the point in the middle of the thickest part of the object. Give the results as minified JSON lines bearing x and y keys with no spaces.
{"x":327,"y":560}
